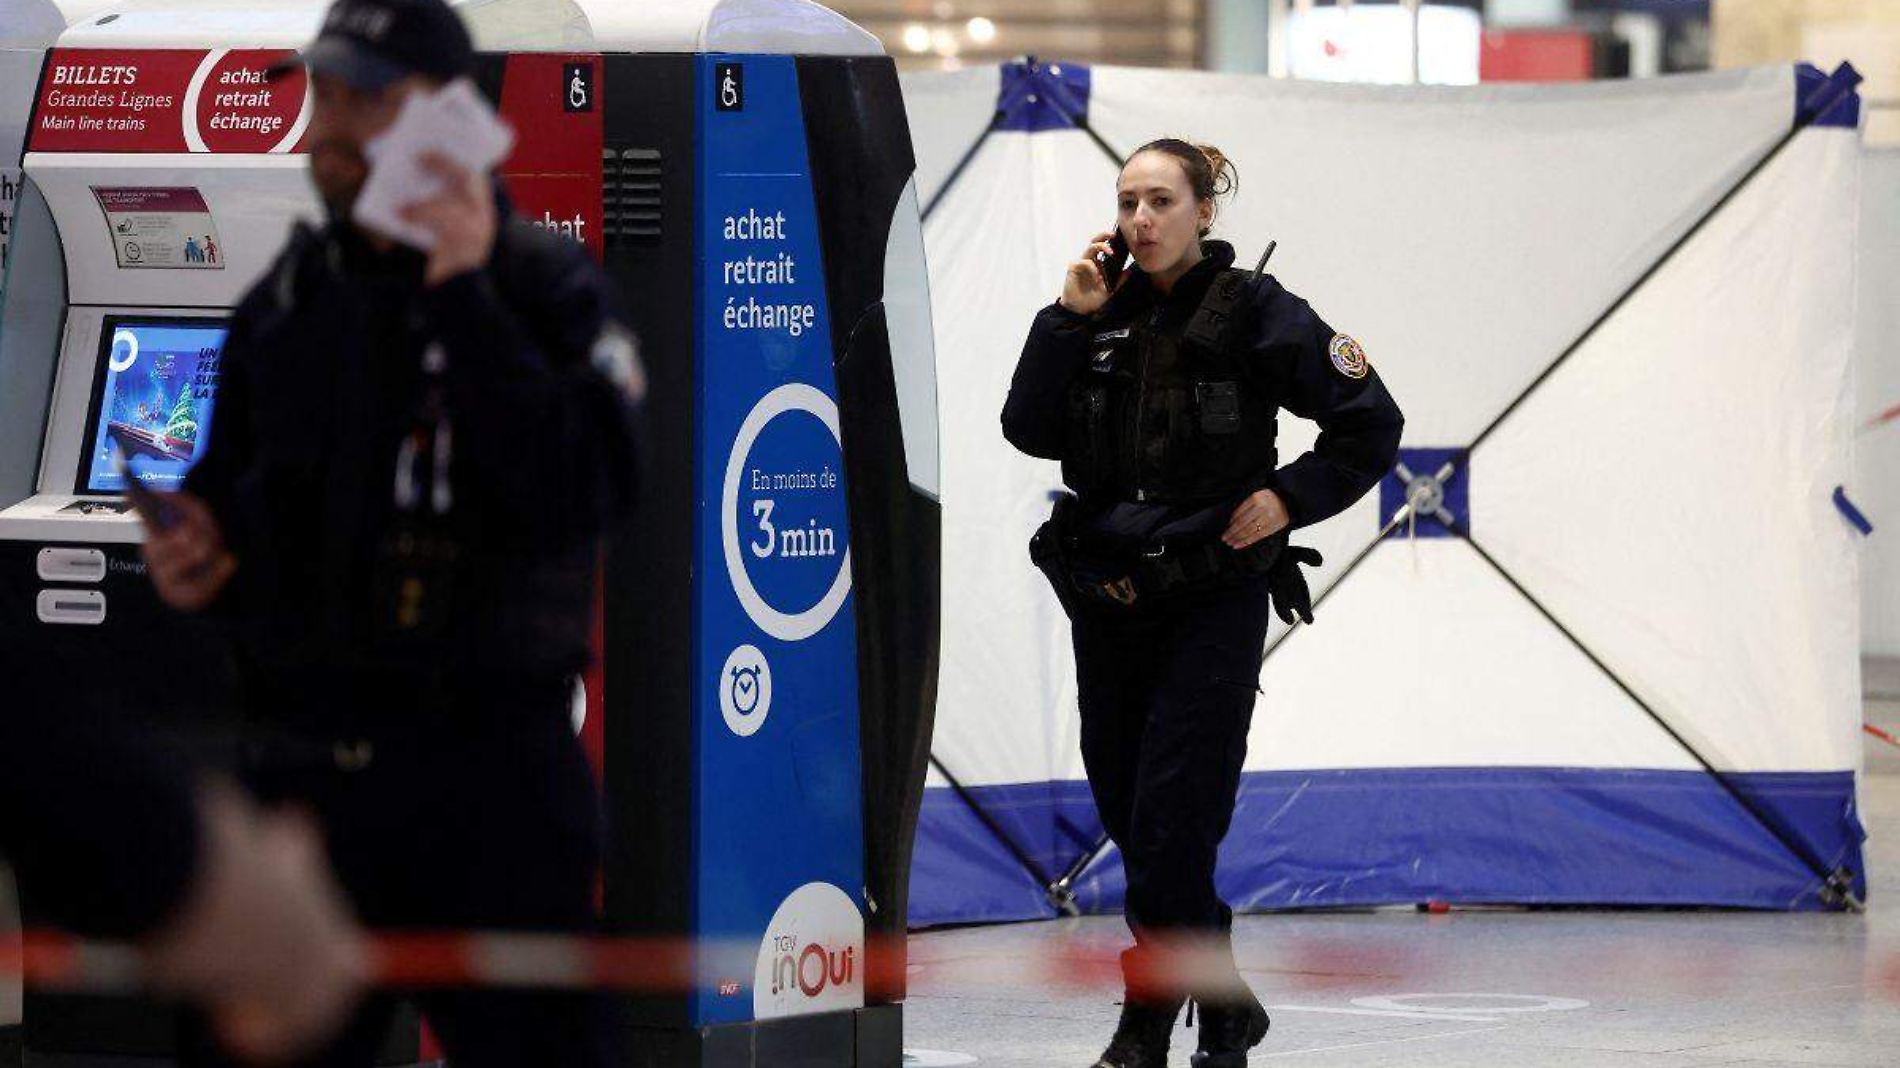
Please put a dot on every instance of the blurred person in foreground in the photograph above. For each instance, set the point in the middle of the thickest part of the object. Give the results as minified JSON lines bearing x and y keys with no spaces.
{"x":399,"y":511}
{"x":1158,"y":387}
{"x":231,"y":908}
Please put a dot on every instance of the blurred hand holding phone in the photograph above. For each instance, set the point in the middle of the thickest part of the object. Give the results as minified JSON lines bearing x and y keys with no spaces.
{"x":454,"y":122}
{"x":153,"y":506}
{"x":184,"y":549}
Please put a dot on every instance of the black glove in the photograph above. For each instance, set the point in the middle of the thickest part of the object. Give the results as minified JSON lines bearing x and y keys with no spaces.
{"x":1286,"y":584}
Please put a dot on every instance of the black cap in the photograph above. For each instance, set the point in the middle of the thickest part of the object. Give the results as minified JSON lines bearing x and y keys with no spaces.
{"x":370,"y":43}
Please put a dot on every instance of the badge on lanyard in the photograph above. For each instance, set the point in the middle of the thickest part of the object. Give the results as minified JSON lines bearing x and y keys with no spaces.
{"x":416,"y":566}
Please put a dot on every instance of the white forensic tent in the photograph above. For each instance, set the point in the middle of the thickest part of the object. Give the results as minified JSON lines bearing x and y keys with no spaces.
{"x":1879,"y":410}
{"x":1666,"y":495}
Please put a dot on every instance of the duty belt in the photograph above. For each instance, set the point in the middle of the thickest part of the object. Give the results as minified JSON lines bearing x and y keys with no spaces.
{"x":1113,"y":572}
{"x":1179,"y":567}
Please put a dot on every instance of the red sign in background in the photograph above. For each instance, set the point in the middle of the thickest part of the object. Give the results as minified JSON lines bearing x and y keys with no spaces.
{"x":554,"y":173}
{"x":165,"y":100}
{"x":1536,"y":56}
{"x":554,"y":178}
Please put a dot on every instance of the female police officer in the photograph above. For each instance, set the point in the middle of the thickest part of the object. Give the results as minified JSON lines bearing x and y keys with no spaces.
{"x":1158,"y":391}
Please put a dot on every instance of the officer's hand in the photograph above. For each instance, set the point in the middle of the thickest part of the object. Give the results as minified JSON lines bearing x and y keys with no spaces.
{"x":187,"y":560}
{"x":1083,"y":290}
{"x":263,"y":942}
{"x":462,"y":218}
{"x":1261,"y":515}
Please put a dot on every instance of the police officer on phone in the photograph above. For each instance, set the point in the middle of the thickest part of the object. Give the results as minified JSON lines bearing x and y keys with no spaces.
{"x":1159,"y":396}
{"x":399,"y":510}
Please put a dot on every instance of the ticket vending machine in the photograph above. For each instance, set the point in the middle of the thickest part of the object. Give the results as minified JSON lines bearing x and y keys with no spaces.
{"x":760,"y":708}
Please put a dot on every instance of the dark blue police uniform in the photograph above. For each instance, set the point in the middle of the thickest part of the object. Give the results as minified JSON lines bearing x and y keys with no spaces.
{"x":1162,"y":409}
{"x":415,"y":482}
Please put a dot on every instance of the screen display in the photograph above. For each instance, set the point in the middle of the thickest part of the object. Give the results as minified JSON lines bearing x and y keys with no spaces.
{"x":152,"y":400}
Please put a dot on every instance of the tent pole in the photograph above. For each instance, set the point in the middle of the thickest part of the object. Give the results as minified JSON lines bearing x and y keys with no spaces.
{"x":990,"y":824}
{"x":1062,"y":891}
{"x":1813,"y":108}
{"x":1403,"y":513}
{"x":957,"y":171}
{"x":996,"y":120}
{"x":1839,"y":83}
{"x":1107,"y":149}
{"x":1837,"y":884}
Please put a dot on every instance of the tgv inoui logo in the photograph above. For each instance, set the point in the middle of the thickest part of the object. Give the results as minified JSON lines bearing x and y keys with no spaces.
{"x":811,"y":958}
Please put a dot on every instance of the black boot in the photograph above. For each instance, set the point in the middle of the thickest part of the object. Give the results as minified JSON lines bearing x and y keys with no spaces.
{"x":1148,"y":1010}
{"x":1141,"y":1038}
{"x":1230,"y":1026}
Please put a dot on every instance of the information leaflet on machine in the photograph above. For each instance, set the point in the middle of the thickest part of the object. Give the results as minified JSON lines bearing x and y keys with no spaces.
{"x":160,"y":227}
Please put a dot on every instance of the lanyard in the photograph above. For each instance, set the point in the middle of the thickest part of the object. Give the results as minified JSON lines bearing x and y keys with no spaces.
{"x":426,"y":451}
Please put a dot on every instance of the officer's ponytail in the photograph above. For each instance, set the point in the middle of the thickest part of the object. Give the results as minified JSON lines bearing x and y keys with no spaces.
{"x":1209,"y":172}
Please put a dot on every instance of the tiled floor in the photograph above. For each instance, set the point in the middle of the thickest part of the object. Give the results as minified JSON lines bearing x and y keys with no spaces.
{"x":1473,"y":989}
{"x":1664,"y":989}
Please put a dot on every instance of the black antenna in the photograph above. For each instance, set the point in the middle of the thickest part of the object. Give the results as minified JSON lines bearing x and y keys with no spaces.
{"x":1260,"y":267}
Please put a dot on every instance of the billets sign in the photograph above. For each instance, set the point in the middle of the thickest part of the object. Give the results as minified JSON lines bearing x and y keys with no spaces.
{"x":168,"y":100}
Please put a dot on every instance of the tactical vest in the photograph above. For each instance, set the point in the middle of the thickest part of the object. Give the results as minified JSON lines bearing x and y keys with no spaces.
{"x":1168,"y":414}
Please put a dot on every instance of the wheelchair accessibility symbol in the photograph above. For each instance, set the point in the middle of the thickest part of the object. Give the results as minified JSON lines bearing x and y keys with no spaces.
{"x":577,"y":81}
{"x":745,"y":691}
{"x":729,"y":78}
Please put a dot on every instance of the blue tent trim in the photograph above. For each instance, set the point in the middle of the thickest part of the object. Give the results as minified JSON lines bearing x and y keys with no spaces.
{"x":1531,"y":836}
{"x":1035,"y":98}
{"x":1831,"y":99}
{"x":1851,"y":513}
{"x":960,"y":873}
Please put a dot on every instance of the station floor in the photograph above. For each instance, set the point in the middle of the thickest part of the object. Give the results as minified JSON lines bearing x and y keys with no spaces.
{"x":1400,"y":989}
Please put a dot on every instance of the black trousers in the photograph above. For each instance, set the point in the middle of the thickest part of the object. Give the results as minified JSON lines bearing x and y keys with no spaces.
{"x":1167,"y":693}
{"x":485,"y":817}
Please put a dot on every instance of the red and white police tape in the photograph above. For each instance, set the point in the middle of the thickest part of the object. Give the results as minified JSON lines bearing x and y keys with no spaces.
{"x":419,"y":960}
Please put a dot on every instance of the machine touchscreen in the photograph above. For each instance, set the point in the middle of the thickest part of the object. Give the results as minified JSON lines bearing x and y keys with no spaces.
{"x":152,"y":399}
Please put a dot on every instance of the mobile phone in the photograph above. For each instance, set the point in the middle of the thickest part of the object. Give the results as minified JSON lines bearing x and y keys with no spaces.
{"x":161,"y":513}
{"x":1112,"y":264}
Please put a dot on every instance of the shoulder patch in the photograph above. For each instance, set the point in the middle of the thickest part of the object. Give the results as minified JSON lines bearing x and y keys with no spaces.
{"x":1348,"y":357}
{"x":616,"y":356}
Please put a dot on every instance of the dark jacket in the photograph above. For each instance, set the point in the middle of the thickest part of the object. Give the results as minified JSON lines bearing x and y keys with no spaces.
{"x":321,"y":381}
{"x":101,"y":830}
{"x":1285,"y":356}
